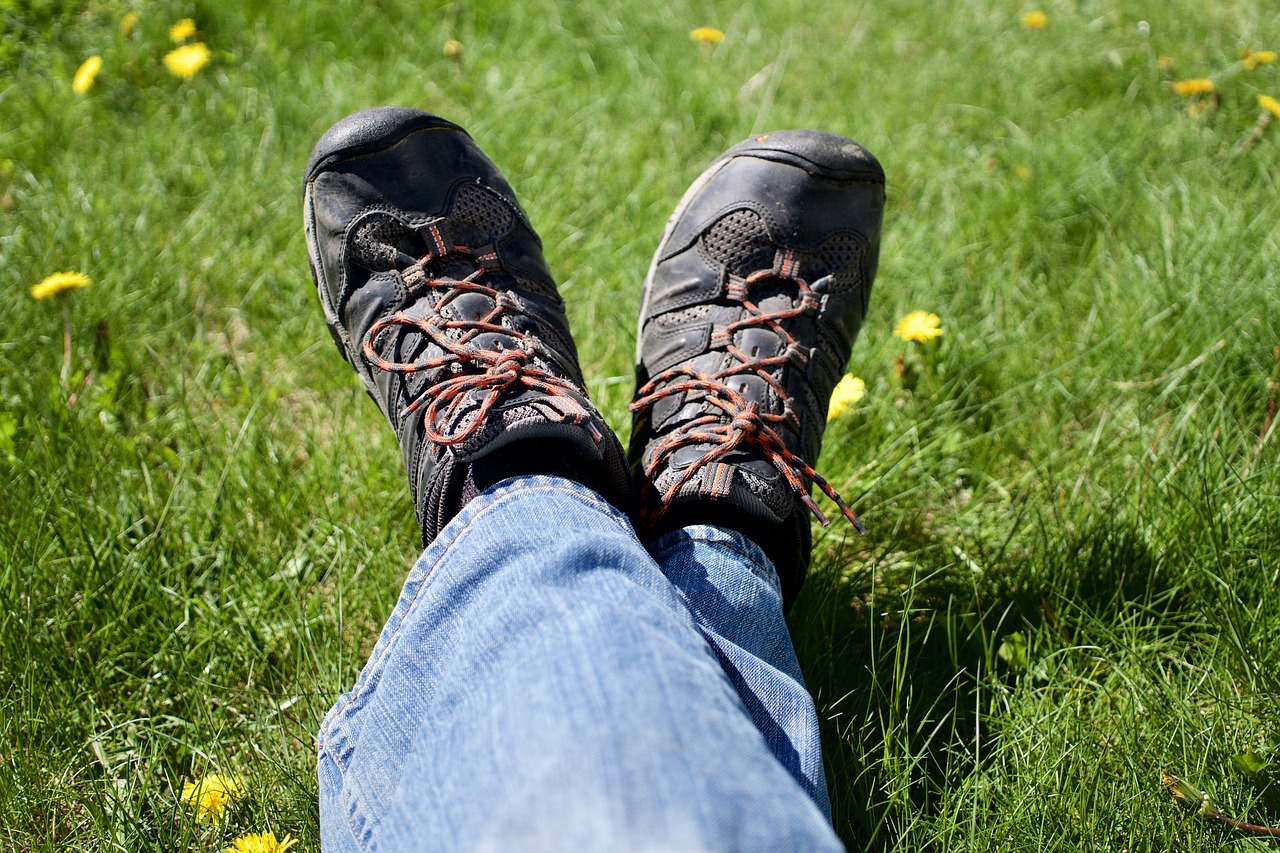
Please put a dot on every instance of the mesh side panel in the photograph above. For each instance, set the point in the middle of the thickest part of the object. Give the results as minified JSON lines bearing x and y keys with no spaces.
{"x":378,"y":240}
{"x":692,"y":314}
{"x":840,"y":251}
{"x":539,"y":286}
{"x":483,"y":209}
{"x":738,"y":240}
{"x":843,"y":255}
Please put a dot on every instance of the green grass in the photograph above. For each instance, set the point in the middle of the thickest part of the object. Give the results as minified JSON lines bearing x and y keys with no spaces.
{"x":1068,"y":582}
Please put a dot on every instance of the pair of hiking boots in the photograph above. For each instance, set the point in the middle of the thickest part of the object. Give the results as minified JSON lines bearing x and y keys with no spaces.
{"x":435,"y":289}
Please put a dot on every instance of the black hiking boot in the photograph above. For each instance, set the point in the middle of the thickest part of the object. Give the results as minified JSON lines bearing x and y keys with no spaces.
{"x":434,"y":287}
{"x":750,"y":310}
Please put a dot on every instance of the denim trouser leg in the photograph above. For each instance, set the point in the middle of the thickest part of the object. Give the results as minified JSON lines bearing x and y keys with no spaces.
{"x":545,"y":684}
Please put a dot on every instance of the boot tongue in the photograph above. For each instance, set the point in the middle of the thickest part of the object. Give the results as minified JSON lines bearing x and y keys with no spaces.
{"x":468,"y":307}
{"x":456,"y":267}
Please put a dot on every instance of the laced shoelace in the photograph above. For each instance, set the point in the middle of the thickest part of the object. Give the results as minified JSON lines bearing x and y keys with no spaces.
{"x":739,"y":424}
{"x":494,"y":371}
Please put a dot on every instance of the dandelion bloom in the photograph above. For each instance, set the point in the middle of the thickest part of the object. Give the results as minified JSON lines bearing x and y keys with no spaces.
{"x":452,"y":48}
{"x":85,"y":73}
{"x":182,"y":31}
{"x":128,"y":23}
{"x":185,"y":61}
{"x":1198,"y":86}
{"x":211,"y":795}
{"x":706,"y":35}
{"x":848,"y":391}
{"x":261,"y":843}
{"x":918,"y":326}
{"x":1023,"y":172}
{"x":1253,"y":58}
{"x":1269,"y":104}
{"x":58,"y":282}
{"x":1035,"y":20}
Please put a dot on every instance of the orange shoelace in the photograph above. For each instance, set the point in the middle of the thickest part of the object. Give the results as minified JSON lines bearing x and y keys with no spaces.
{"x":739,"y":424}
{"x":495,"y":371}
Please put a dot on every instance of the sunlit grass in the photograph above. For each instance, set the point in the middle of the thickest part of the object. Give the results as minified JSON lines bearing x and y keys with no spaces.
{"x":1068,"y":582}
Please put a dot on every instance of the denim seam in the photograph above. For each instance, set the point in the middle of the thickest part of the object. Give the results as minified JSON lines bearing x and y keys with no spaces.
{"x":470,"y":513}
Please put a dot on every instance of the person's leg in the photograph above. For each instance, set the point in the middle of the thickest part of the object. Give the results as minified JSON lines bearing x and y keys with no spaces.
{"x":732,"y":591}
{"x":542,"y":686}
{"x":753,"y":301}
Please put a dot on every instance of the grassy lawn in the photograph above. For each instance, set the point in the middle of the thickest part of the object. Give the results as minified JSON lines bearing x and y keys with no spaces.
{"x":1068,"y":581}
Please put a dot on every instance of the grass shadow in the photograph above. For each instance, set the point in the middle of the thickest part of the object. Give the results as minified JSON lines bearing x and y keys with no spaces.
{"x":915,"y":649}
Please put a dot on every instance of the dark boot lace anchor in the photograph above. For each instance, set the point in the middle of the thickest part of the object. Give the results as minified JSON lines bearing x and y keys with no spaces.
{"x":741,"y":424}
{"x":494,"y":371}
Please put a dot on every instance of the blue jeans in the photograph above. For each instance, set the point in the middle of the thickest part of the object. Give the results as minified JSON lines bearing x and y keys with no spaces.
{"x":546,"y":683}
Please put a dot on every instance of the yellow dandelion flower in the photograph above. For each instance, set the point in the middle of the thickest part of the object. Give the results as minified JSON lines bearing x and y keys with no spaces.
{"x":1022,"y":172}
{"x":920,"y":326}
{"x":706,"y":35}
{"x":1269,"y":104}
{"x":1251,"y":59}
{"x":1198,"y":86}
{"x":1035,"y":20}
{"x":59,"y":282}
{"x":128,"y":23}
{"x":452,"y":48}
{"x":212,"y":794}
{"x":182,"y":31}
{"x":185,"y":61}
{"x":848,"y":391}
{"x":85,"y":74}
{"x":261,"y":843}
{"x":1164,"y":63}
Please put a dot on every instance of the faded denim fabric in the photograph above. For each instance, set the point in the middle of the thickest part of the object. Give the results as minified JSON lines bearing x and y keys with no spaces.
{"x":545,"y":684}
